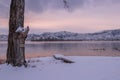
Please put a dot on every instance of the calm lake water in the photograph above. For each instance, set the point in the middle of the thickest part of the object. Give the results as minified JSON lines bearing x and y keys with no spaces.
{"x":71,"y":48}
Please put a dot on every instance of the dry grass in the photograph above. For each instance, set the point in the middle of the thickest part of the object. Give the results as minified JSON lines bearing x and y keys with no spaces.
{"x":28,"y":56}
{"x":2,"y":61}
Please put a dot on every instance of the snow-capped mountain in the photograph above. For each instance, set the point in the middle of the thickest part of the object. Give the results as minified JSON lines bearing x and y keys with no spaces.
{"x":108,"y":35}
{"x":69,"y":36}
{"x":3,"y":37}
{"x":63,"y":35}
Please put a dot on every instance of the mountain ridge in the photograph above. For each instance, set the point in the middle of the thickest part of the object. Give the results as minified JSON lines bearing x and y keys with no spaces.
{"x":106,"y":35}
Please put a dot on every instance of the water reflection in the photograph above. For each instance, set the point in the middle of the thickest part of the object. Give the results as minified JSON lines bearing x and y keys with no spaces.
{"x":81,"y":48}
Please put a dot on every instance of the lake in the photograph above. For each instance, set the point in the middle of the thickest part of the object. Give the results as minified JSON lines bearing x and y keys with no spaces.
{"x":69,"y":48}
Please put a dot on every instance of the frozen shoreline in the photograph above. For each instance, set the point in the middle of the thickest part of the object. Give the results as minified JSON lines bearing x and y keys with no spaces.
{"x":47,"y":68}
{"x":29,"y":56}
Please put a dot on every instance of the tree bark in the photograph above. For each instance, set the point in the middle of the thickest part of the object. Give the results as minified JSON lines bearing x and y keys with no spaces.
{"x":14,"y":55}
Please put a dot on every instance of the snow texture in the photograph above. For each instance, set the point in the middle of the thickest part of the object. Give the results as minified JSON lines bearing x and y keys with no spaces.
{"x":69,"y":36}
{"x":85,"y":68}
{"x":109,"y":35}
{"x":59,"y":56}
{"x":20,"y":29}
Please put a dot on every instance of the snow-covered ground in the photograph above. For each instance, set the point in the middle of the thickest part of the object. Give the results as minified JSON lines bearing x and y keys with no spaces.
{"x":47,"y":68}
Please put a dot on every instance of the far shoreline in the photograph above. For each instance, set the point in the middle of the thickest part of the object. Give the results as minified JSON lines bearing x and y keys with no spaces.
{"x":29,"y":56}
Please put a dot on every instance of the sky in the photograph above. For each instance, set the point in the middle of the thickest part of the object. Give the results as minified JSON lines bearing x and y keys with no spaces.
{"x":82,"y":16}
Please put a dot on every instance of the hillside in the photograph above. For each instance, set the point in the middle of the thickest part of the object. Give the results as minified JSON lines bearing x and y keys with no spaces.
{"x":108,"y":35}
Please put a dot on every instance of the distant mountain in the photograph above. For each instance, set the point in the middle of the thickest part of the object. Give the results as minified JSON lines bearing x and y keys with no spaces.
{"x":3,"y":37}
{"x":108,"y":35}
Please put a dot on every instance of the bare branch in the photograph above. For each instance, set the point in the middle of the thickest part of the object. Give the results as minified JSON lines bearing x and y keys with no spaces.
{"x":65,"y":4}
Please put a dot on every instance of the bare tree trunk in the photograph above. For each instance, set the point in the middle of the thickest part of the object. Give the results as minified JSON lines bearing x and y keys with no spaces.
{"x":14,"y":55}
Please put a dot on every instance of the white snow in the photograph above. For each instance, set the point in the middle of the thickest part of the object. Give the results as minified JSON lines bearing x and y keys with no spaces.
{"x":84,"y":68}
{"x":64,"y":35}
{"x":59,"y":56}
{"x":108,"y":35}
{"x":20,"y":29}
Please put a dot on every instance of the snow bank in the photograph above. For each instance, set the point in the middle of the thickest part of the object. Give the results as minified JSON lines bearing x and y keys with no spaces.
{"x":20,"y":29}
{"x":85,"y":68}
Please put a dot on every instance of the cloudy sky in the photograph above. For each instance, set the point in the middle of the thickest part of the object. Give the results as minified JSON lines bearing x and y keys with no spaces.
{"x":83,"y":16}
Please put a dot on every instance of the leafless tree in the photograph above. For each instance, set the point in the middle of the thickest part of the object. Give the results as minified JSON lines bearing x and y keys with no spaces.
{"x":16,"y":40}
